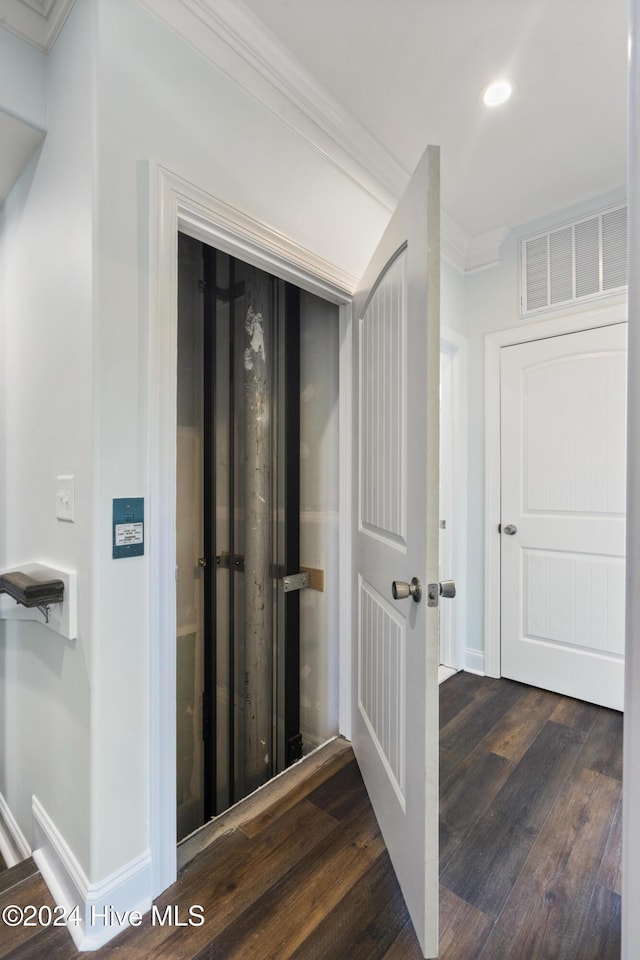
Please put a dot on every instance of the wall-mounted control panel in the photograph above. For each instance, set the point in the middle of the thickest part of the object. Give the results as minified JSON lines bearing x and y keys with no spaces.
{"x":128,"y":527}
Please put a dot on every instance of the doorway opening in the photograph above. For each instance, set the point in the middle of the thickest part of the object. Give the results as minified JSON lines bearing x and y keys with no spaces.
{"x":453,"y":493}
{"x":257,"y":450}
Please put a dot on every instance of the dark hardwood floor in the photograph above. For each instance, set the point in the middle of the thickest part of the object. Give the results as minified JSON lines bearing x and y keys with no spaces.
{"x":530,"y":852}
{"x":530,"y":839}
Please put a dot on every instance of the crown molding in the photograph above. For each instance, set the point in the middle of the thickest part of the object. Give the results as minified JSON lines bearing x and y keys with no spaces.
{"x":484,"y":248}
{"x":470,"y":254}
{"x":235,"y":41}
{"x":238,"y":44}
{"x":36,"y":21}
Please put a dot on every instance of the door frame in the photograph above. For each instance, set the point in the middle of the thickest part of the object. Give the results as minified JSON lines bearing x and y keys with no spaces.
{"x":177,"y":205}
{"x":454,"y":344}
{"x":539,"y":330}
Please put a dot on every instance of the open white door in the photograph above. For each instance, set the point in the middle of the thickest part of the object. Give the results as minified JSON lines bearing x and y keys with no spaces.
{"x":395,"y":646}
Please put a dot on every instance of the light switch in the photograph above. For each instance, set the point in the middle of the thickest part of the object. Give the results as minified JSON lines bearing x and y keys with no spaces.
{"x":65,"y":496}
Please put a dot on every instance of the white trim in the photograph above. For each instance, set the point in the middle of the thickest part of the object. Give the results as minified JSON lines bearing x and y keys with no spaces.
{"x":37,"y":21}
{"x":345,"y":460}
{"x":13,"y":843}
{"x":455,"y":344}
{"x":239,"y":44}
{"x":205,"y":217}
{"x":553,"y":327}
{"x":177,"y":205}
{"x":484,"y":249}
{"x":630,"y":932}
{"x":126,"y":891}
{"x":474,"y":662}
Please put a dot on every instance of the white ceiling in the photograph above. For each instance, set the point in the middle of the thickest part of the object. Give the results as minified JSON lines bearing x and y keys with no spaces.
{"x":411,"y":72}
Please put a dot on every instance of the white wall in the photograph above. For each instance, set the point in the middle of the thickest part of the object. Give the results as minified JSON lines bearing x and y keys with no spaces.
{"x":121,"y":92}
{"x":492,"y":303}
{"x":453,"y":299}
{"x":22,"y":80}
{"x":319,"y":518}
{"x":48,"y":429}
{"x":157,"y":100}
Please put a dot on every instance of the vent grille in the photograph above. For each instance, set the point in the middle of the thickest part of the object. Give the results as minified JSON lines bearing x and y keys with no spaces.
{"x":584,"y":259}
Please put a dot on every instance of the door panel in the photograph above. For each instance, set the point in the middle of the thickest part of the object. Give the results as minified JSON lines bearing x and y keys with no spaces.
{"x":396,"y":428}
{"x":563,"y":487}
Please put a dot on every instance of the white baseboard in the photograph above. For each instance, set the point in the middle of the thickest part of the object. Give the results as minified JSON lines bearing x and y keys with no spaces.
{"x":13,"y":843}
{"x":104,"y":909}
{"x":474,"y":661}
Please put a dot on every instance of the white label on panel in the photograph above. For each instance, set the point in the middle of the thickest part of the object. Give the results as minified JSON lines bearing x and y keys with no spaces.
{"x":128,"y":533}
{"x":383,"y":345}
{"x":381,"y":680}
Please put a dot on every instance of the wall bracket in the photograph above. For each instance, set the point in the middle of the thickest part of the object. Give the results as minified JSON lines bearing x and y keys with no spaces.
{"x":40,"y":589}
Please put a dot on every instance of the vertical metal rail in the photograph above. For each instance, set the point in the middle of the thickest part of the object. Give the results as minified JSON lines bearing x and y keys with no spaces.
{"x":293,"y":738}
{"x":258,"y":652}
{"x":210,"y":546}
{"x":232,"y":532}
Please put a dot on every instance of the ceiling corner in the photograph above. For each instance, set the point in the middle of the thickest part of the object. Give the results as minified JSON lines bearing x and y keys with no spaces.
{"x":36,"y":21}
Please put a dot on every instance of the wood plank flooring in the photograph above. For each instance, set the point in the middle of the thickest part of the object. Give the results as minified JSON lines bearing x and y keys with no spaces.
{"x":530,"y":852}
{"x":530,"y":809}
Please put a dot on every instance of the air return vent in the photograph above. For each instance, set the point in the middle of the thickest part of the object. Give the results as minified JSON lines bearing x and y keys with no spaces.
{"x":587,"y":258}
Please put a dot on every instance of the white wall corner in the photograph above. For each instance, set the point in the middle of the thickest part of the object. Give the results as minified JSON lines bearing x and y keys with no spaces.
{"x":474,"y":662}
{"x":37,"y":21}
{"x":470,"y":254}
{"x":484,"y":249}
{"x":14,"y":846}
{"x":454,"y":242}
{"x":104,"y":909}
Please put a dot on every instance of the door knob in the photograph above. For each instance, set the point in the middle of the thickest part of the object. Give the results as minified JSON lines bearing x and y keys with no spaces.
{"x":445,"y":588}
{"x":510,"y":529}
{"x":402,"y":590}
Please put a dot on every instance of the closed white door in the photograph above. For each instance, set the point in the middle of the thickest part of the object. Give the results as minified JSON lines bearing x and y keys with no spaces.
{"x":395,"y":538}
{"x":563,"y":467}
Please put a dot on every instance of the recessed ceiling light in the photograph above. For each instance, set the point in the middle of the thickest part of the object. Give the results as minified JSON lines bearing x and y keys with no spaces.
{"x":497,"y":92}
